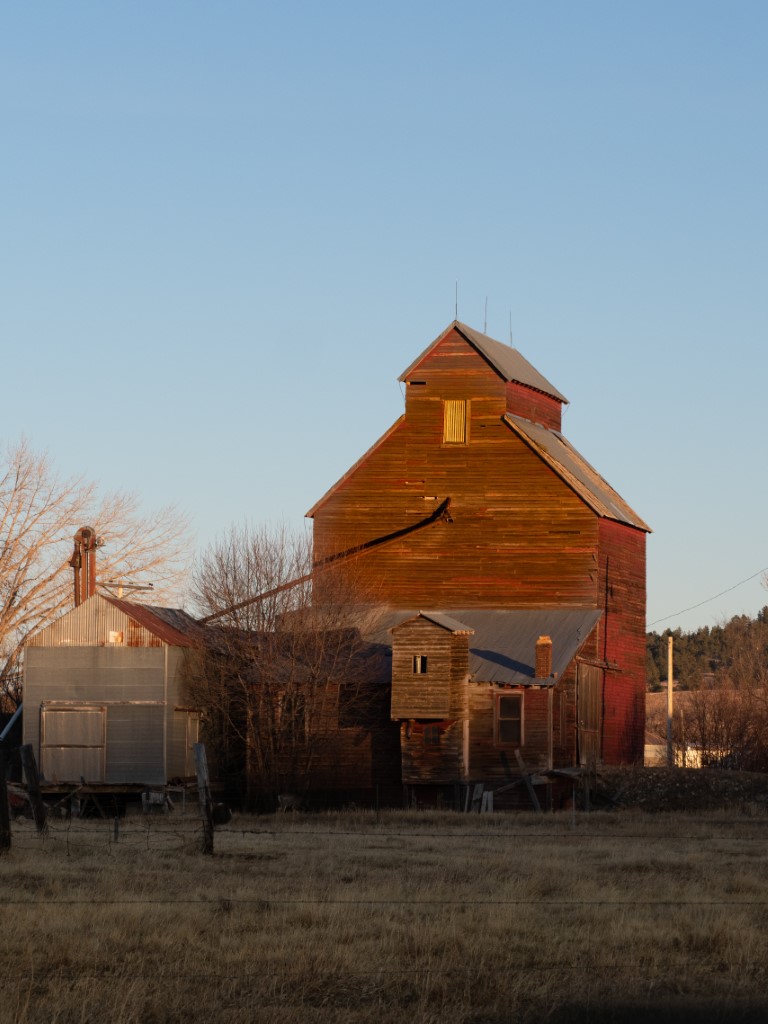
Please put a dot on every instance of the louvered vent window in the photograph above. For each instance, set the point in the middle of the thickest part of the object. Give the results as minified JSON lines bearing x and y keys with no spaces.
{"x":455,"y":421}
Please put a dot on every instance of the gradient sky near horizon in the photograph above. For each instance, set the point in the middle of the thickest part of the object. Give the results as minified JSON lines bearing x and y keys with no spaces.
{"x":228,"y":228}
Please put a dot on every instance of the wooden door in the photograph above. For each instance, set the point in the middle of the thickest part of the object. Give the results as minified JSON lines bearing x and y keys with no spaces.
{"x":589,"y":702}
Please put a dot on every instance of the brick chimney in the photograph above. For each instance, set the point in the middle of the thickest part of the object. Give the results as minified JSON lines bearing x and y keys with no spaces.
{"x":544,"y":657}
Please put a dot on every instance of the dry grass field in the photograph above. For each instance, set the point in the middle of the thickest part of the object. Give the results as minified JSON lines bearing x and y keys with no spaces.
{"x":417,"y":917}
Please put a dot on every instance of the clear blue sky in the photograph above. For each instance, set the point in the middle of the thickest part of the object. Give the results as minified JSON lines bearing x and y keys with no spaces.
{"x":227,"y":228}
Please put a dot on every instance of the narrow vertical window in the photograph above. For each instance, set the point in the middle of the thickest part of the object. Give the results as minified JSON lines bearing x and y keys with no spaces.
{"x":419,"y":664}
{"x":431,"y":735}
{"x":509,"y":718}
{"x":455,"y":421}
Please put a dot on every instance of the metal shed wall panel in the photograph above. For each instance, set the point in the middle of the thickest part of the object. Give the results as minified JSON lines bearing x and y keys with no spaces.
{"x":80,"y":727}
{"x":183,"y":732}
{"x":135,"y":744}
{"x":89,"y":675}
{"x":92,"y":625}
{"x":94,"y":674}
{"x":71,"y":764}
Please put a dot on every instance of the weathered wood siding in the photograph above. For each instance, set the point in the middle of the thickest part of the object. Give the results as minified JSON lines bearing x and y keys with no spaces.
{"x":339,"y":756}
{"x":622,"y":640}
{"x":495,"y":762}
{"x":518,"y":536}
{"x":432,"y":763}
{"x":438,"y":692}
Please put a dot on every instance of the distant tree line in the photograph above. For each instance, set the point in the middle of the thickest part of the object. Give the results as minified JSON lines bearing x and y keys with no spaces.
{"x":730,"y":655}
{"x":723,"y":721}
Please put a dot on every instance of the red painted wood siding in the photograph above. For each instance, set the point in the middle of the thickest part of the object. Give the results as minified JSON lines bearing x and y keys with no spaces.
{"x":622,"y":640}
{"x":533,"y":405}
{"x":519,"y":537}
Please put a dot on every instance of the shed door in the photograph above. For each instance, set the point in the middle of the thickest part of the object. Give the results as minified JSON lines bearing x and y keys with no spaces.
{"x":72,"y":744}
{"x":589,"y":700}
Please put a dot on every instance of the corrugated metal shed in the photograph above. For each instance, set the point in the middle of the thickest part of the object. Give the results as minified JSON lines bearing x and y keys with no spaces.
{"x":103,"y":621}
{"x":507,"y":361}
{"x":572,"y":467}
{"x":503,"y":647}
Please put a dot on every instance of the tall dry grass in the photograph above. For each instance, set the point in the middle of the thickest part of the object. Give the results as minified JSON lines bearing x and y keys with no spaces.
{"x":418,"y":917}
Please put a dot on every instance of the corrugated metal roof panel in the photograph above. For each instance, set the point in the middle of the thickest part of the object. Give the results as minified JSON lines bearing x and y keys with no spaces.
{"x":503,"y":647}
{"x":559,"y":453}
{"x":93,"y":622}
{"x":171,"y":625}
{"x":507,"y":361}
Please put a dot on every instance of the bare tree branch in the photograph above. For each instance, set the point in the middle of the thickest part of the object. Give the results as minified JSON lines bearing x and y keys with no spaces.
{"x":39,"y":514}
{"x":289,"y":683}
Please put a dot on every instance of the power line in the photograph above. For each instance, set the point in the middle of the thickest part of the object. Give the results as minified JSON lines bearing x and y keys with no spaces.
{"x":708,"y":599}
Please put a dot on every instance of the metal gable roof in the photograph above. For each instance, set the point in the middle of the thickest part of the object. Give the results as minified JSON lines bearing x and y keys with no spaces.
{"x":171,"y":625}
{"x":503,"y":647}
{"x":442,"y":620}
{"x":574,"y":469}
{"x":507,"y":361}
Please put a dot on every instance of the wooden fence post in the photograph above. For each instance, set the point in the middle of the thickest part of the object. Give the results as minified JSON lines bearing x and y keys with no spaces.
{"x":33,"y":786}
{"x":5,"y":816}
{"x":204,"y":797}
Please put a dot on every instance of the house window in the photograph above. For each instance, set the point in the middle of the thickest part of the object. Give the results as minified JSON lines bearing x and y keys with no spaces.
{"x":508,"y":718}
{"x":431,"y":735}
{"x":455,"y":421}
{"x":419,"y":664}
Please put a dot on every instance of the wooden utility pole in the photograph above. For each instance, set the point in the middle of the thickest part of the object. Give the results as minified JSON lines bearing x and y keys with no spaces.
{"x":204,"y":797}
{"x":33,"y":786}
{"x":670,"y":750}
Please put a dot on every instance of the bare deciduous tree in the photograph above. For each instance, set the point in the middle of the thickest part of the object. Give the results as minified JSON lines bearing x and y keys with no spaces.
{"x":727,"y":722}
{"x":39,"y":514}
{"x":291,"y":687}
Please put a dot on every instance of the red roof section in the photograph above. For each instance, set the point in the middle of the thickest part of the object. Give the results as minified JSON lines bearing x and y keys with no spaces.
{"x":171,"y":625}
